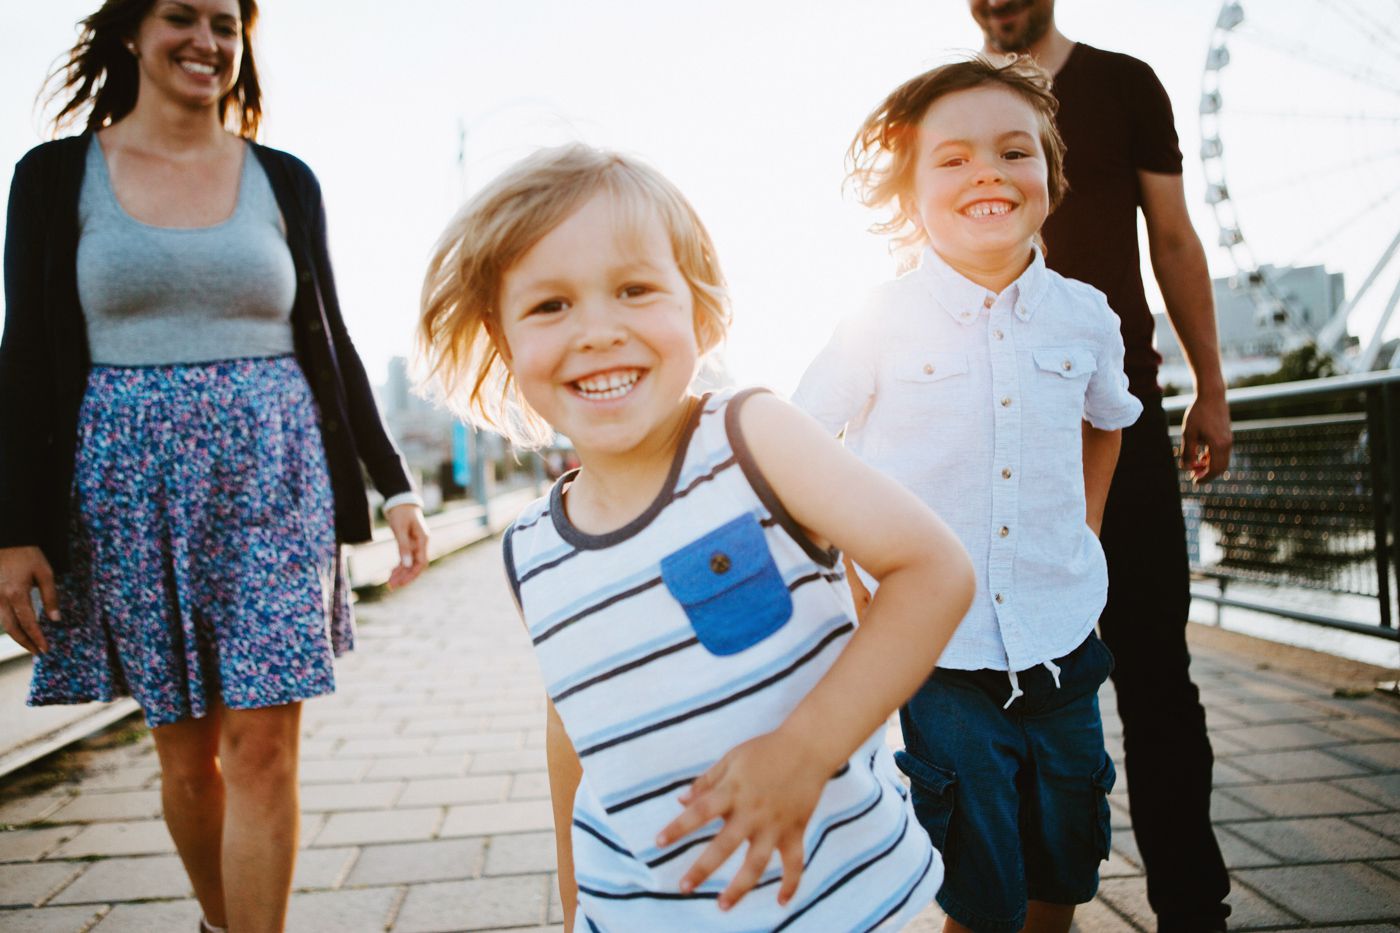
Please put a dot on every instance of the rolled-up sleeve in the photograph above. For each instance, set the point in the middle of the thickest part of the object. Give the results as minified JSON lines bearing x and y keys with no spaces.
{"x":1108,"y":405}
{"x":840,"y":381}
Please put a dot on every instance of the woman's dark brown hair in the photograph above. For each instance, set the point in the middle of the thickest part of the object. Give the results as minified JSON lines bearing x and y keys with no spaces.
{"x":99,"y":77}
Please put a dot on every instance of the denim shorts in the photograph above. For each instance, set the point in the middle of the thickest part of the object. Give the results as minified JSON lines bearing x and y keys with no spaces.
{"x":1015,"y":799}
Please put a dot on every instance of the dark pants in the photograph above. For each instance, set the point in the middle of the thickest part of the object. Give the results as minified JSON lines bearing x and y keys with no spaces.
{"x":1167,"y":751}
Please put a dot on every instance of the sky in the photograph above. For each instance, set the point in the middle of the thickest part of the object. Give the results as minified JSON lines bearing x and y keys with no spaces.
{"x":748,"y":106}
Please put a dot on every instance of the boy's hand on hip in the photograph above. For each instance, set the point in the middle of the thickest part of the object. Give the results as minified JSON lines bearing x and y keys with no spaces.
{"x":765,"y":791}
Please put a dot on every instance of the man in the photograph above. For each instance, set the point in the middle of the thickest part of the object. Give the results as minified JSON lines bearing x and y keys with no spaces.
{"x":1122,"y":154}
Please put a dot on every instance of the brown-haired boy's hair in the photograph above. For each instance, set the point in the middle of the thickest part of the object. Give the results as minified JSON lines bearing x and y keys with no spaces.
{"x":459,"y":335}
{"x":881,"y":157}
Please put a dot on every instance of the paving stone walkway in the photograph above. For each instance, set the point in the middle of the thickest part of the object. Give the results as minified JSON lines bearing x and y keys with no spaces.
{"x":427,"y":806}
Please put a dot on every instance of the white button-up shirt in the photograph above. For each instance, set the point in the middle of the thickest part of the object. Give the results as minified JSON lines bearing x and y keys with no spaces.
{"x":974,"y":401}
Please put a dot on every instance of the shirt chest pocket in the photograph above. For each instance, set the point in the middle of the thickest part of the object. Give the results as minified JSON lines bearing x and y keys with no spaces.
{"x":925,"y":387}
{"x":730,"y":587}
{"x":1060,"y":376}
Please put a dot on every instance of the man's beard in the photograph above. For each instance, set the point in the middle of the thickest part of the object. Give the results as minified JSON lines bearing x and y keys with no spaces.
{"x":1037,"y":24}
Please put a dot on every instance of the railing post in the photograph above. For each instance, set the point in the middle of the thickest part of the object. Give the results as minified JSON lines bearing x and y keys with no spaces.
{"x":1382,"y":458}
{"x":1390,"y":411}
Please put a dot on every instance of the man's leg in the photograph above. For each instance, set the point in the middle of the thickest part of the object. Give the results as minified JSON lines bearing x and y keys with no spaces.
{"x":1167,"y":750}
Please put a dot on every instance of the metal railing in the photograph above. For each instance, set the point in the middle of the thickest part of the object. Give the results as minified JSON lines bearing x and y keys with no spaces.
{"x":1308,"y":506}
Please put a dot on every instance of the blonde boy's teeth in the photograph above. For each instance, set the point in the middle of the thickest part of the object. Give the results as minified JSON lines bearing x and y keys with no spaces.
{"x":608,"y":385}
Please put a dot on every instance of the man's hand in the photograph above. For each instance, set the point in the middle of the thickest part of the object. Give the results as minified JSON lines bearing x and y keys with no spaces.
{"x":22,"y":569}
{"x":765,"y":791}
{"x":1206,"y":438}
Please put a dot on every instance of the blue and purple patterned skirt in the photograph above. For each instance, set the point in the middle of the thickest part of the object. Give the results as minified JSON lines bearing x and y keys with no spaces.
{"x":204,"y":560}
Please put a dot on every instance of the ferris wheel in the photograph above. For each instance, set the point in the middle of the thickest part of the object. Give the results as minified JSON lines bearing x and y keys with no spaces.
{"x":1300,"y":100}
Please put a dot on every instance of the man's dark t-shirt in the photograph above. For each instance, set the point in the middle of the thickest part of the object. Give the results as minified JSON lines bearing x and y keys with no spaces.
{"x":1116,"y":119}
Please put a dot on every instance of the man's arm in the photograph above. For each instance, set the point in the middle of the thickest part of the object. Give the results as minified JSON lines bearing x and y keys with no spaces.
{"x":1179,"y":264}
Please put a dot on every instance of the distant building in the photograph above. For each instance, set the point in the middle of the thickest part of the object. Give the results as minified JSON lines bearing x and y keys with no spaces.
{"x":1250,"y":341}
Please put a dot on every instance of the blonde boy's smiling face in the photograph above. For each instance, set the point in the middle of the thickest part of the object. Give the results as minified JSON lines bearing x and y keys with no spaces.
{"x":598,"y":329}
{"x":980,"y":186}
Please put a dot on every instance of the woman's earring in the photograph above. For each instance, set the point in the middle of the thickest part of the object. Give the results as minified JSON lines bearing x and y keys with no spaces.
{"x":131,"y":47}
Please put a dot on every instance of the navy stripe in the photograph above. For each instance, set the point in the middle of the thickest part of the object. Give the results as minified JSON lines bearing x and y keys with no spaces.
{"x":583,"y":613}
{"x":700,"y":480}
{"x":522,"y":526}
{"x":680,"y":850}
{"x":593,"y":926}
{"x":649,"y":795}
{"x":650,"y":895}
{"x":928,"y":865}
{"x":813,"y":577}
{"x":840,"y":882}
{"x":603,"y":839}
{"x":622,"y":669}
{"x":533,"y":571}
{"x":732,"y":698}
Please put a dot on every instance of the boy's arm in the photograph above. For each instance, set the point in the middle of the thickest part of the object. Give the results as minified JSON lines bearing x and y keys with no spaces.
{"x":1100,"y":457}
{"x":564,"y":774}
{"x":765,"y":789}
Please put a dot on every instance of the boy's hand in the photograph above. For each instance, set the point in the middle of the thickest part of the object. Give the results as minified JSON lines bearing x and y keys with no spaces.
{"x":765,"y":791}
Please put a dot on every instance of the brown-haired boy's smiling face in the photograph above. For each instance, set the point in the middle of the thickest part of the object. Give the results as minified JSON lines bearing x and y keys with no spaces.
{"x":980,"y":186}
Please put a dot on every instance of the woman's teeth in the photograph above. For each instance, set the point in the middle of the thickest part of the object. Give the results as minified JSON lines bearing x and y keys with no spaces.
{"x":607,"y":385}
{"x":198,"y":68}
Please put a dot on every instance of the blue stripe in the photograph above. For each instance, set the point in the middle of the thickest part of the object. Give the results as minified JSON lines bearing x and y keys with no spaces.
{"x":723,"y":691}
{"x":542,"y":561}
{"x":848,"y":871}
{"x":895,"y":902}
{"x":668,"y":640}
{"x":595,"y":599}
{"x":654,"y":785}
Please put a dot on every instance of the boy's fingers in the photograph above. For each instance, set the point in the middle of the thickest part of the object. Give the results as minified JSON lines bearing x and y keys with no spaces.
{"x":793,"y":858}
{"x":701,"y":810}
{"x":715,"y":854}
{"x":755,"y":860}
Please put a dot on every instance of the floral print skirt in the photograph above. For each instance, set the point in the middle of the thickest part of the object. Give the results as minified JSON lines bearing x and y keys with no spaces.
{"x":204,"y":566}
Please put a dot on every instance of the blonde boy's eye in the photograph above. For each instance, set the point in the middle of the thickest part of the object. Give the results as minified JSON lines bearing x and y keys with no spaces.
{"x":953,"y":162}
{"x":636,"y":290}
{"x":552,"y":306}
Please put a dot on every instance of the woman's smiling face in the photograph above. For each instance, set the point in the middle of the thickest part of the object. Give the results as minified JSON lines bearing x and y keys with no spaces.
{"x":189,"y":51}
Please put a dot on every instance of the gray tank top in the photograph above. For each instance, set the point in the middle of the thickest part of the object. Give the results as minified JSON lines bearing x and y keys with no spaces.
{"x":161,"y":295}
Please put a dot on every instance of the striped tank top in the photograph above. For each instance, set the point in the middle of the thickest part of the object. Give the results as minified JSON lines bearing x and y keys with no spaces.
{"x":695,"y":627}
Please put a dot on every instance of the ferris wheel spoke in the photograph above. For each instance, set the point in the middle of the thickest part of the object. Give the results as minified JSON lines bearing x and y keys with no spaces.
{"x":1284,"y":184}
{"x":1360,"y":117}
{"x":1370,"y":78}
{"x":1350,"y":221}
{"x":1373,"y":29}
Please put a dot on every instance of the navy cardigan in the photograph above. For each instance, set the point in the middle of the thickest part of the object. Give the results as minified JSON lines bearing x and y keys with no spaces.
{"x":44,"y":357}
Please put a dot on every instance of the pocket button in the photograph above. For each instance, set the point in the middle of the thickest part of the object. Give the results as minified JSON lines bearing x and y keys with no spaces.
{"x":720,"y":562}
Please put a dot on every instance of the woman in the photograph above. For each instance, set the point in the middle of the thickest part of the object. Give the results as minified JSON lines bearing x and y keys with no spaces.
{"x":182,"y":432}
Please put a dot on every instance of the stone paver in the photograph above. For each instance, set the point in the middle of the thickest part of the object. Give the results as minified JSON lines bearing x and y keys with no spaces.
{"x":427,"y":802}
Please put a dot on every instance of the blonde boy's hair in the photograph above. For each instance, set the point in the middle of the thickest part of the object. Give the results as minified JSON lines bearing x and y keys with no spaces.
{"x":881,"y":157}
{"x":459,"y":335}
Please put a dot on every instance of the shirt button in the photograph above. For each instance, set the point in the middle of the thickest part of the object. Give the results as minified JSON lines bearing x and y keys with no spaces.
{"x":1006,"y":472}
{"x":988,"y":301}
{"x":1003,"y":531}
{"x":997,"y":334}
{"x":928,"y":369}
{"x":1006,"y":401}
{"x":999,"y":599}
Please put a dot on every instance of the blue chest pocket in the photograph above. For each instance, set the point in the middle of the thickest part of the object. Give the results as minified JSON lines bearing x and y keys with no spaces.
{"x":729,"y":586}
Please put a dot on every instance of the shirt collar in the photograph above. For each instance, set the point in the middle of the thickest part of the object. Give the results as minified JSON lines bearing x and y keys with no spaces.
{"x":964,"y":300}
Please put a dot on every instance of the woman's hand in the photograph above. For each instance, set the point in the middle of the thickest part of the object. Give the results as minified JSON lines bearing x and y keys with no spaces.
{"x":411,"y":532}
{"x":22,"y":569}
{"x":765,"y":791}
